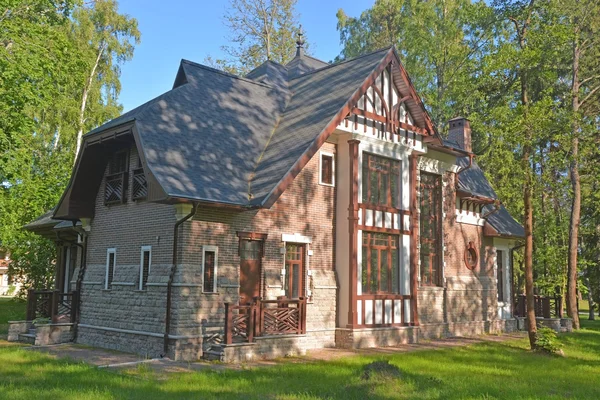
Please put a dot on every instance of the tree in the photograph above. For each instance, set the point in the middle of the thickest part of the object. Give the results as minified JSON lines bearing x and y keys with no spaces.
{"x":584,"y":21}
{"x":261,"y":30}
{"x":45,"y":59}
{"x":106,"y":38}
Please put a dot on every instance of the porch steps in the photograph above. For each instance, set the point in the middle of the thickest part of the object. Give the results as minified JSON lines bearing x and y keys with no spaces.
{"x":214,"y":353}
{"x":28,"y":338}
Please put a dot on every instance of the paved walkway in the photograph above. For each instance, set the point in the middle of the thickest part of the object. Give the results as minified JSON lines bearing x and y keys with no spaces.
{"x":117,"y":360}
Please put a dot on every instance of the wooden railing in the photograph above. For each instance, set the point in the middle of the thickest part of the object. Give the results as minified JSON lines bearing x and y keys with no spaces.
{"x":140,"y":186}
{"x":379,"y":310}
{"x":264,"y":318}
{"x":52,"y":304}
{"x":544,"y":306}
{"x":115,"y":188}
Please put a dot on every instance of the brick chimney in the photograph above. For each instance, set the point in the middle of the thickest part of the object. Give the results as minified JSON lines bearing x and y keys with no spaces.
{"x":460,"y":132}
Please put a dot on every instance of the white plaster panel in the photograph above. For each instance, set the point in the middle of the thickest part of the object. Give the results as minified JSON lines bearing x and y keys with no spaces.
{"x":368,"y":312}
{"x":379,"y":311}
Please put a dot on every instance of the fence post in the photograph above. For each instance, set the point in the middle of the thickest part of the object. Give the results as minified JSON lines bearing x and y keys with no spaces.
{"x":228,"y":323}
{"x":546,"y":306}
{"x":54,"y":306}
{"x":257,"y":316}
{"x":31,"y":306}
{"x":300,"y":315}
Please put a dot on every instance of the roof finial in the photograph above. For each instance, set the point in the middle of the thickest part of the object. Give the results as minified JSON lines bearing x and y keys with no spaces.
{"x":300,"y":43}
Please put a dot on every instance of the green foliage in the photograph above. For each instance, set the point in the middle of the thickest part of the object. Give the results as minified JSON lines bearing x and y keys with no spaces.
{"x":547,"y":341}
{"x":260,"y":30}
{"x":49,"y":93}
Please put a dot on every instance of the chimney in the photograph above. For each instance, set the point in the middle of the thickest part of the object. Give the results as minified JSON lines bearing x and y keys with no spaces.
{"x":460,"y":132}
{"x":300,"y":43}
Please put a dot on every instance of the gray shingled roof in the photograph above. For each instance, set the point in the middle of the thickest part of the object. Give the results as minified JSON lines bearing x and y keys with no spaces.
{"x":317,"y":98}
{"x":43,"y":221}
{"x":473,"y":181}
{"x":504,"y":223}
{"x":218,"y":137}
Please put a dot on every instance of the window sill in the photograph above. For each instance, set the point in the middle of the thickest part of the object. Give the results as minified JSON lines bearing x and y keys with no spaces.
{"x":327,"y":184}
{"x":211,"y":293}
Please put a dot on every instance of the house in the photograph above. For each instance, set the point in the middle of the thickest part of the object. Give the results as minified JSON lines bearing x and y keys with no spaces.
{"x":301,"y":206}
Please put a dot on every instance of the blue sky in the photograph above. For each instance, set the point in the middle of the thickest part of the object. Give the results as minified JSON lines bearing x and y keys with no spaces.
{"x":176,"y":29}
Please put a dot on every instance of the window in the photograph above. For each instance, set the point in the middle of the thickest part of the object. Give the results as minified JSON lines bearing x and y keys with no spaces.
{"x":380,"y":180}
{"x":294,"y":270}
{"x":145,"y":262}
{"x":380,"y":267}
{"x":111,"y":260}
{"x":116,"y":181}
{"x":430,"y":222}
{"x":500,"y":274}
{"x":327,"y":170}
{"x":209,"y":269}
{"x":471,"y":256}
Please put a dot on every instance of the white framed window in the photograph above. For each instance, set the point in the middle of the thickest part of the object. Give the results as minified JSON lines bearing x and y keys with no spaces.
{"x":111,"y":261}
{"x":326,"y":169}
{"x":145,"y":263}
{"x":210,"y":257}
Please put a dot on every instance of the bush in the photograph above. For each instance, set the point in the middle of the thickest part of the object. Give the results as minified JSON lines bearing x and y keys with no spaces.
{"x":547,"y":341}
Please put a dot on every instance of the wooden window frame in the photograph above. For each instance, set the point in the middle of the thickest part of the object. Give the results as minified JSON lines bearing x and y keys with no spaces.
{"x":500,"y":276}
{"x":435,"y":257}
{"x":471,"y":251}
{"x":366,"y":178}
{"x":301,"y":274}
{"x":123,"y":176}
{"x":109,"y":251}
{"x":332,"y":156}
{"x":392,"y":240}
{"x":144,"y":249}
{"x":213,"y":249}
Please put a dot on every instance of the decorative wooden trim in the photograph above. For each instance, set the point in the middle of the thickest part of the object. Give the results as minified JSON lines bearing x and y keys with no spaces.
{"x":383,"y":230}
{"x":472,"y":250}
{"x":353,"y":230}
{"x":414,"y":224}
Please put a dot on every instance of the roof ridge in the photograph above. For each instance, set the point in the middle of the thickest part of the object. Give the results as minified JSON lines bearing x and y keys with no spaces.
{"x":225,"y":73}
{"x":342,"y":62}
{"x":316,"y":59}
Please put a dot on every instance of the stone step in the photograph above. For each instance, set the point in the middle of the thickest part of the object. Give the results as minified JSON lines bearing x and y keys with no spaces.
{"x":32,"y":331}
{"x":27,"y":338}
{"x":213,"y":355}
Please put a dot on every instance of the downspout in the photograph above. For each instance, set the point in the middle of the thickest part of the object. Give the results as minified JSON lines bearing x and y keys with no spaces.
{"x":495,"y":209}
{"x":172,"y":276}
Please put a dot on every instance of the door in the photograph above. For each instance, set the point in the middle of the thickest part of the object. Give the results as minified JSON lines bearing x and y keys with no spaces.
{"x":250,"y":256}
{"x":294,"y":270}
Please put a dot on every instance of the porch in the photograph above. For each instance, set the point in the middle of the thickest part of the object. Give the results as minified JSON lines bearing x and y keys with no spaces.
{"x":50,"y":318}
{"x":548,"y":313}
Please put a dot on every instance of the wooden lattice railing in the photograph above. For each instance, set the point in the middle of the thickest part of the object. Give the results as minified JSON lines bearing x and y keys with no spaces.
{"x":544,"y":306}
{"x":140,"y":186}
{"x":264,"y":318}
{"x":53,"y":305}
{"x":115,"y":188}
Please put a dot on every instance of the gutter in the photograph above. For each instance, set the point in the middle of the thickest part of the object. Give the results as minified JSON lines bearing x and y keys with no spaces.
{"x":471,"y":156}
{"x":172,"y":276}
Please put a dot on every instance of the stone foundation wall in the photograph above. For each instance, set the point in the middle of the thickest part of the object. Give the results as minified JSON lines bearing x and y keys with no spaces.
{"x":376,"y":337}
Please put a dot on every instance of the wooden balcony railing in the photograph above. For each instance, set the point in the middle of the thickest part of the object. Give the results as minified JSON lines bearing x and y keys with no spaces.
{"x":379,"y":310}
{"x":545,"y":306}
{"x":264,"y":318}
{"x":115,"y":188}
{"x":52,"y":304}
{"x":140,"y":186}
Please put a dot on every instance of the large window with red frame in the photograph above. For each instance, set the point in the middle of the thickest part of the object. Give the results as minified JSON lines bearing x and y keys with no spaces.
{"x":430,"y":188}
{"x":380,"y":177}
{"x":380,"y":267}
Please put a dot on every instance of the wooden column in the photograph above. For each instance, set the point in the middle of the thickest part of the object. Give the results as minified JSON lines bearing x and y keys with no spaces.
{"x":414,"y":237}
{"x":59,"y":270}
{"x":353,"y":230}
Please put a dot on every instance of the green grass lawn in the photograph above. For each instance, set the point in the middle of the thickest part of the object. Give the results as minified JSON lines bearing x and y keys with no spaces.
{"x":10,"y":310}
{"x":483,"y":371}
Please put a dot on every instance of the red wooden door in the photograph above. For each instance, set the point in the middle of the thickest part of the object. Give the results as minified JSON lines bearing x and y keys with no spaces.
{"x":249,"y":270}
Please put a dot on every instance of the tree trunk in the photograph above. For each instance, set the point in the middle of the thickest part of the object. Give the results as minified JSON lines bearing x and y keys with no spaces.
{"x":576,"y":201}
{"x":84,"y":97}
{"x":592,"y":315}
{"x":528,"y":257}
